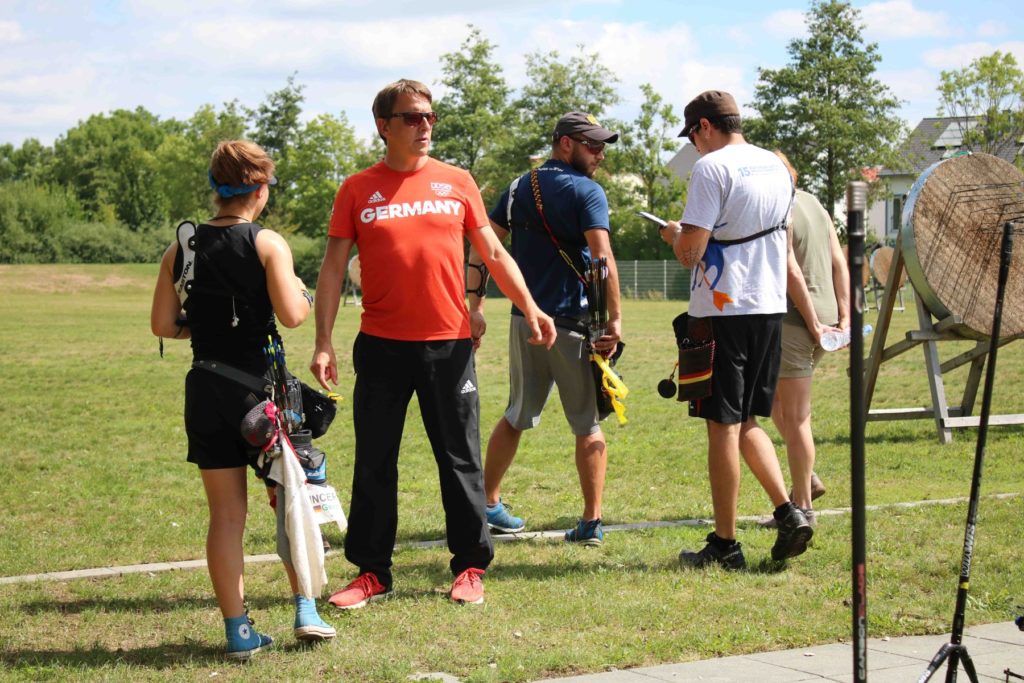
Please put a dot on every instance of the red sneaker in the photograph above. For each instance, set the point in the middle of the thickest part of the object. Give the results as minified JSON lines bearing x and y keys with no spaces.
{"x":365,"y":588}
{"x":468,"y":587}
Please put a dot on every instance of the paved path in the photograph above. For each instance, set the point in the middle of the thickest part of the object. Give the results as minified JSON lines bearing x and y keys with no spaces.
{"x":994,"y":648}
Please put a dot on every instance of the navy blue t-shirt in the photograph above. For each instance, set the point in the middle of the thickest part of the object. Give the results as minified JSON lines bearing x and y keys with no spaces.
{"x":573,"y":204}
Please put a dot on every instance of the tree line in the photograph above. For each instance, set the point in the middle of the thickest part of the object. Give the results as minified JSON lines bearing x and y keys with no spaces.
{"x":112,"y":188}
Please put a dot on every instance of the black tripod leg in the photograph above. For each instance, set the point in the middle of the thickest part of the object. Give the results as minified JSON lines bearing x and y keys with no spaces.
{"x":972,"y":675}
{"x":936,"y":662}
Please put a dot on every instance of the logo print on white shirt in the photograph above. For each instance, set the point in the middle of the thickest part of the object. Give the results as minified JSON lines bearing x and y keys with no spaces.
{"x":441,"y":189}
{"x":375,"y":198}
{"x":468,"y":387}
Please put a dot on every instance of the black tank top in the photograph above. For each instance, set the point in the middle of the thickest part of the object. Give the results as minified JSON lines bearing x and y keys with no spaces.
{"x":230,"y":284}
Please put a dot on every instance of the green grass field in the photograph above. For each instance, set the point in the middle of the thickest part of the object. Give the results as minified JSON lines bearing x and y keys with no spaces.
{"x":96,"y":476}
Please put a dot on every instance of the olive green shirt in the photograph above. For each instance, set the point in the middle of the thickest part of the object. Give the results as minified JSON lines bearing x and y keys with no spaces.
{"x":812,"y":244}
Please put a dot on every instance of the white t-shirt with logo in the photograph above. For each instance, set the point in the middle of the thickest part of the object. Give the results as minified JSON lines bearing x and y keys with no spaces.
{"x":735,"y":192}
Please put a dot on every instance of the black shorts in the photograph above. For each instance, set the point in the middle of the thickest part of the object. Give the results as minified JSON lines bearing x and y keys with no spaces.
{"x":214,"y":408}
{"x":748,"y":349}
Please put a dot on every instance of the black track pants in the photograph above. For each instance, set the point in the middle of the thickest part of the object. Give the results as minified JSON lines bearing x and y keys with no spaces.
{"x":442,"y":375}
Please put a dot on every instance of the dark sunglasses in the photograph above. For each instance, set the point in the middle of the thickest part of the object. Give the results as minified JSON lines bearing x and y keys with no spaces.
{"x":595,"y":147}
{"x":693,"y":129}
{"x":415,"y":118}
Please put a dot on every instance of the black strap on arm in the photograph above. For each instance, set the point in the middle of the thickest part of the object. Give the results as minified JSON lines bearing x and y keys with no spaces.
{"x":481,"y":289}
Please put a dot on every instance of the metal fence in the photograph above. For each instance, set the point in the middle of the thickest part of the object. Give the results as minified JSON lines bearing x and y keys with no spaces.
{"x":656,"y":280}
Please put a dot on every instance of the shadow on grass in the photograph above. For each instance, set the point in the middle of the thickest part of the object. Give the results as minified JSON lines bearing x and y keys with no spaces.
{"x":129,"y":605}
{"x":167,"y":656}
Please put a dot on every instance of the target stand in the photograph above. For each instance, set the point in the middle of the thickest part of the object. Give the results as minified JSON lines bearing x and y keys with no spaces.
{"x":949,"y":248}
{"x":352,"y":287}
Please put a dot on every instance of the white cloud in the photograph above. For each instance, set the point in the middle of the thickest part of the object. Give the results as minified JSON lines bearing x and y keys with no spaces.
{"x":992,"y":29}
{"x":62,"y":85}
{"x":10,"y":32}
{"x":959,"y":56}
{"x":914,"y":86}
{"x":900,"y":19}
{"x":785,"y":24}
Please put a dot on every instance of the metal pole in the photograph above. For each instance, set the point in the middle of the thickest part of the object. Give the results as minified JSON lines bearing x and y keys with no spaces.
{"x":856,"y":203}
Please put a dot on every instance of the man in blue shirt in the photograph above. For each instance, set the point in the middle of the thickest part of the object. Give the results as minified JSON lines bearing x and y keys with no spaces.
{"x":557,"y":216}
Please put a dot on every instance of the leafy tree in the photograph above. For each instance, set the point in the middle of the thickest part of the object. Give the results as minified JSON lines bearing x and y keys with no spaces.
{"x":326,"y":151}
{"x":183,"y":159}
{"x":32,"y":220}
{"x":988,"y":99}
{"x":275,"y":122}
{"x":109,"y":162}
{"x":554,"y":88}
{"x":826,"y":109}
{"x":31,"y":161}
{"x":641,"y":180}
{"x":471,"y":112}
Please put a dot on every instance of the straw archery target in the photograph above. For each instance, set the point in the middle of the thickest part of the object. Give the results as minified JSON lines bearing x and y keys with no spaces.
{"x":952,"y":227}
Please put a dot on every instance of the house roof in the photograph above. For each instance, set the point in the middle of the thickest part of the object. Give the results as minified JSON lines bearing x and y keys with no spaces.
{"x":938,"y":138}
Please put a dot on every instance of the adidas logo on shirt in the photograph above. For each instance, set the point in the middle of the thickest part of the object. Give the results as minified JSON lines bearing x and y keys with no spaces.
{"x":375,"y":198}
{"x":468,"y":387}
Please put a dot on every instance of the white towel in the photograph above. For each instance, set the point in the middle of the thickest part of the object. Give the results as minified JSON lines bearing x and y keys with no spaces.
{"x":304,"y":539}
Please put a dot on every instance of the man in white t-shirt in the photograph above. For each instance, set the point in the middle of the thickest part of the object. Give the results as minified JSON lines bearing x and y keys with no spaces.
{"x":733,"y":235}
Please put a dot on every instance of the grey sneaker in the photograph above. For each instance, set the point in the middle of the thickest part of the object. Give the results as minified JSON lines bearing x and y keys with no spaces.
{"x":731,"y":559}
{"x":794,"y":532}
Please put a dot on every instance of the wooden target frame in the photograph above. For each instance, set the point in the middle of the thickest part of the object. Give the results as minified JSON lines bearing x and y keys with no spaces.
{"x":353,"y":283}
{"x":965,"y":201}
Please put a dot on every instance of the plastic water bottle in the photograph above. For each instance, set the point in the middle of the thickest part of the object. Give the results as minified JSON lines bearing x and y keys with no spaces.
{"x":833,"y":341}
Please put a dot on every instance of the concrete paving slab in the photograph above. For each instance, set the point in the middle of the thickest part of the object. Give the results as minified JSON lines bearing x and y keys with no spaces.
{"x":621,"y":676}
{"x":828,"y":661}
{"x":726,"y":670}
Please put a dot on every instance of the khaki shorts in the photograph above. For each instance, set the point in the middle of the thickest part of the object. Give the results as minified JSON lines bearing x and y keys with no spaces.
{"x":800,"y":355}
{"x":533,"y":371}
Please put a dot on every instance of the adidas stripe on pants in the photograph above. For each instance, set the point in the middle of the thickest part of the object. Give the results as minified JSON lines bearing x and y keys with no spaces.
{"x":443,"y":377}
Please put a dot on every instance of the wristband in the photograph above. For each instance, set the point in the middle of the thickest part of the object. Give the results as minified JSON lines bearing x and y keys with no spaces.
{"x":308,"y":297}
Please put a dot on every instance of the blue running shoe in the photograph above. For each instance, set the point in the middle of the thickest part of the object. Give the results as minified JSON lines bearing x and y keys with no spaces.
{"x":243,"y":640}
{"x":309,"y":627}
{"x":586,"y":533}
{"x":500,"y":518}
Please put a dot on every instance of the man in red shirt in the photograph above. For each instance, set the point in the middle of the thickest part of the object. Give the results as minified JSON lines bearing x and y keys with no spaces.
{"x":409,"y":215}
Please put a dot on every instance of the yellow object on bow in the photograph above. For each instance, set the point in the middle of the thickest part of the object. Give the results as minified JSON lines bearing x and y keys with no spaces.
{"x":613,"y":384}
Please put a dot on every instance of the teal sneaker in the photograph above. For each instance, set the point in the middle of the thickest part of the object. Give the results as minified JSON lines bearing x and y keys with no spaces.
{"x":309,"y":627}
{"x":500,"y":518}
{"x":586,"y":533}
{"x":243,"y":640}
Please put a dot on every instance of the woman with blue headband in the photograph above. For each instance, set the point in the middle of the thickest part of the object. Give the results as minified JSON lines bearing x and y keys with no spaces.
{"x":242,"y":278}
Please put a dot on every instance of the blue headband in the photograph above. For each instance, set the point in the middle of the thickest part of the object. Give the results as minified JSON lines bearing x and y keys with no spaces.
{"x":227,"y":191}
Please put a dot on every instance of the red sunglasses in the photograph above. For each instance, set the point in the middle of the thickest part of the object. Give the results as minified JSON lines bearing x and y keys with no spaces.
{"x":415,"y":118}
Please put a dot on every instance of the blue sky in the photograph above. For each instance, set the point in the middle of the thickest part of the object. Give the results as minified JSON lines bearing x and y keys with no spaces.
{"x":62,"y":61}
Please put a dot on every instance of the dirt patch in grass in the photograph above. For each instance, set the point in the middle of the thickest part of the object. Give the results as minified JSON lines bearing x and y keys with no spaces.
{"x":50,"y":279}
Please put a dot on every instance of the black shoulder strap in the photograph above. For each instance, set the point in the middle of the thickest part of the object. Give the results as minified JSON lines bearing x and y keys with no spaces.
{"x":253,"y":383}
{"x":535,"y":187}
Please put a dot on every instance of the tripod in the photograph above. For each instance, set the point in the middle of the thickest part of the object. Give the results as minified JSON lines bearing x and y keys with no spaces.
{"x":955,"y":651}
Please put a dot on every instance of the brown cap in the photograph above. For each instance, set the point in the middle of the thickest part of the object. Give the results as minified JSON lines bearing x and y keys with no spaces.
{"x":710,"y":104}
{"x":579,"y":122}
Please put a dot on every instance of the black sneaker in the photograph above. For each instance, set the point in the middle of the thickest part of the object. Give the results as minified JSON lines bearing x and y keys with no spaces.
{"x":731,"y":559}
{"x":794,"y":533}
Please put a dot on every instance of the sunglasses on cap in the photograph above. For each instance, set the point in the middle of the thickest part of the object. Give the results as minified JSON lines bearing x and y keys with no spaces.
{"x":592,"y":146}
{"x":415,"y":118}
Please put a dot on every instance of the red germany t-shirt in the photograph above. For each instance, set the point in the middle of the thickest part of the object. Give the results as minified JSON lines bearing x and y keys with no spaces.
{"x":410,"y":230}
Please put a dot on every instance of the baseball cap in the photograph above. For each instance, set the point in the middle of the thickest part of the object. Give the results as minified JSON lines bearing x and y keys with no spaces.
{"x":580,"y":122}
{"x":710,"y":104}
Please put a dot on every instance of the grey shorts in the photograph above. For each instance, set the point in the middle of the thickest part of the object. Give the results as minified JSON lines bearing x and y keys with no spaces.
{"x":533,"y":370}
{"x":800,"y":355}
